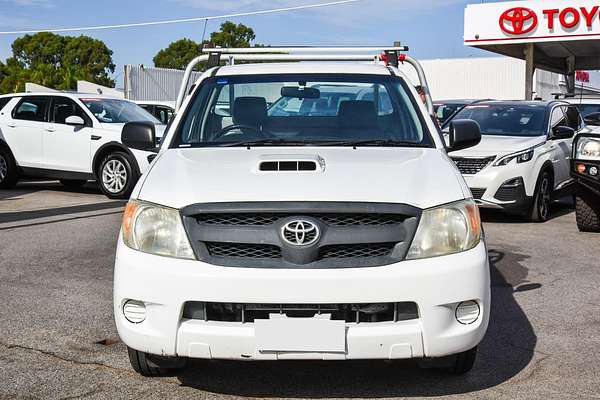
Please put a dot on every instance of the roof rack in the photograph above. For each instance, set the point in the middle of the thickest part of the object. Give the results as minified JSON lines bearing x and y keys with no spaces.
{"x":388,"y":55}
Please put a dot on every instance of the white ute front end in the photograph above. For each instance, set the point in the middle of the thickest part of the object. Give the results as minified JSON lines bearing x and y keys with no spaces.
{"x":316,"y":251}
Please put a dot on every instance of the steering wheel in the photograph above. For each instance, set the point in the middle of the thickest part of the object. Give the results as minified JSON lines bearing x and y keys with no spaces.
{"x":233,"y":127}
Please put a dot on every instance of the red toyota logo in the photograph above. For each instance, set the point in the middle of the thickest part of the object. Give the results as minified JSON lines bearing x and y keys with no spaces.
{"x":518,"y":21}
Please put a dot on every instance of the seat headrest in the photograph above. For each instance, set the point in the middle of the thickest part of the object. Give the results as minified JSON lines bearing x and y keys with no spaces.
{"x":250,"y":111}
{"x":357,"y":114}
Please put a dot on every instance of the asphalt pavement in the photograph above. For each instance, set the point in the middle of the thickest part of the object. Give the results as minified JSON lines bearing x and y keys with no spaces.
{"x":58,"y":339}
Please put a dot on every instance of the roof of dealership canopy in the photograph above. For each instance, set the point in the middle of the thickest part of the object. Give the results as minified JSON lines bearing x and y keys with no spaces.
{"x":562,"y":36}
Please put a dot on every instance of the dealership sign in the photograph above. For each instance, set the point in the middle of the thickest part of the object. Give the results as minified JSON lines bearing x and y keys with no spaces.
{"x":532,"y":21}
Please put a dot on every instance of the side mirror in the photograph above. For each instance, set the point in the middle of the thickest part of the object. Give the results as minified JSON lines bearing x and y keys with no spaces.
{"x":139,"y":136}
{"x":563,"y":132}
{"x":464,"y":133}
{"x":74,"y":120}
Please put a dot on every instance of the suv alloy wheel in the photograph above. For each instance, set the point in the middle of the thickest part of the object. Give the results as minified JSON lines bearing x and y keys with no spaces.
{"x":542,"y":199}
{"x":116,"y":175}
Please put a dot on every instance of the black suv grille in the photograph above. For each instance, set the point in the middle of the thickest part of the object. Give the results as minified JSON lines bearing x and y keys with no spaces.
{"x":471,"y":166}
{"x":478,"y":192}
{"x":352,"y":313}
{"x":300,"y":235}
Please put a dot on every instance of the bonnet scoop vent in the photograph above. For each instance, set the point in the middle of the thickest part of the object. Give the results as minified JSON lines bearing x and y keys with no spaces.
{"x":291,"y":164}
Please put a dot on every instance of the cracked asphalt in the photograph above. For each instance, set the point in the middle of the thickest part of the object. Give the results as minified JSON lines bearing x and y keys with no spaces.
{"x":58,"y":339}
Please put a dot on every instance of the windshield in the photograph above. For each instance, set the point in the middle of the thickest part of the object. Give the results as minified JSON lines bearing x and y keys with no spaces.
{"x":302,"y":110}
{"x":587,"y":109}
{"x":507,"y":119}
{"x":115,"y":111}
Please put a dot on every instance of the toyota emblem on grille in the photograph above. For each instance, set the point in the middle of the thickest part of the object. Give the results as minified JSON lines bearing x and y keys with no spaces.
{"x":300,"y":233}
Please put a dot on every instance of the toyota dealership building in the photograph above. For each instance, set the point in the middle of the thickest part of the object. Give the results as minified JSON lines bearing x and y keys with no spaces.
{"x":541,"y":47}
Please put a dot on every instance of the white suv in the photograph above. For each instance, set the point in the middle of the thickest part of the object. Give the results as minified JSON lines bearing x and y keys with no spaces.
{"x":72,"y":137}
{"x":301,"y":234}
{"x":523,"y":160}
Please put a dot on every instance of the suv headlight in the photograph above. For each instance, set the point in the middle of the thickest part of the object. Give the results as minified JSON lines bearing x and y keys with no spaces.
{"x":156,"y":230}
{"x":446,"y":229}
{"x":521,"y":157}
{"x":588,"y":148}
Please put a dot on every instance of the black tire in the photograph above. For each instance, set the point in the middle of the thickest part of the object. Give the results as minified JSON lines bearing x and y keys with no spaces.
{"x":464,"y":361}
{"x":150,"y":365}
{"x":456,"y":364}
{"x":9,"y":171}
{"x":542,"y":198}
{"x":120,"y":167}
{"x":73,"y":183}
{"x":587,"y":213}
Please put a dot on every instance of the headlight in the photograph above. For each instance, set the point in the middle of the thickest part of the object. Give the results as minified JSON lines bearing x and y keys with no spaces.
{"x":447,"y":229}
{"x":588,"y":149}
{"x":156,"y":230}
{"x":521,"y":157}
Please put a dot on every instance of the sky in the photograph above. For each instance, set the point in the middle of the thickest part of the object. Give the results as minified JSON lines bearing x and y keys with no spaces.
{"x":431,"y":28}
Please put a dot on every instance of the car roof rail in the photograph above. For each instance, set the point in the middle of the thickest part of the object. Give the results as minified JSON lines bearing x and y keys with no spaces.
{"x":388,"y":55}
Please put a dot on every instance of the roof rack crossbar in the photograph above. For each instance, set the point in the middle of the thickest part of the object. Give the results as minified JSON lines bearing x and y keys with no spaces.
{"x":230,"y":55}
{"x":303,"y":49}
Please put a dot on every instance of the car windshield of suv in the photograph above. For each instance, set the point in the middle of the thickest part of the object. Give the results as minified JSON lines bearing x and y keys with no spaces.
{"x":302,"y":110}
{"x":587,"y":109}
{"x":507,"y":119}
{"x":115,"y":111}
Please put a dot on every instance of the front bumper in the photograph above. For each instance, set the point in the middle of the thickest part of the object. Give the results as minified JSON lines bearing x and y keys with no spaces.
{"x":586,"y":183}
{"x":436,"y":285}
{"x":495,"y":187}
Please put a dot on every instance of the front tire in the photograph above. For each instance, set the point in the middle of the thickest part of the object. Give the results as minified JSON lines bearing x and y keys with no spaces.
{"x":117,"y":176}
{"x":587,"y":213}
{"x":542,"y":199}
{"x":154,"y":366}
{"x":9,"y":171}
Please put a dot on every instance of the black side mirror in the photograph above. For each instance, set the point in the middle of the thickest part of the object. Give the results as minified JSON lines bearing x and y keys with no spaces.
{"x":139,"y":136}
{"x":563,"y":132}
{"x":464,"y":133}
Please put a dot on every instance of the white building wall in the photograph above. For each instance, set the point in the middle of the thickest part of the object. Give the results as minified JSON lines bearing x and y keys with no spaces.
{"x":501,"y":78}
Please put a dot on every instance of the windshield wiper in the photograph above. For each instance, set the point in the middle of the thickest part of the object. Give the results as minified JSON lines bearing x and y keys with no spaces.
{"x":372,"y":142}
{"x":262,"y":142}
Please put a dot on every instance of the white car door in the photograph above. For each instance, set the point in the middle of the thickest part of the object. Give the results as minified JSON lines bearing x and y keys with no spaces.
{"x":22,"y":129}
{"x":67,"y":147}
{"x":560,"y":148}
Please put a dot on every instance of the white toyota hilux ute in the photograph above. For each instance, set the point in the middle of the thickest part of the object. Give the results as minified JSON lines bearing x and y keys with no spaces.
{"x":332,"y":229}
{"x":73,"y":137}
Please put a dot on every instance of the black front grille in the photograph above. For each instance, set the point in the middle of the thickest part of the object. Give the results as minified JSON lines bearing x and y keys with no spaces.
{"x":351,"y":313}
{"x":356,"y":250}
{"x":471,"y":166}
{"x":300,"y":234}
{"x":329,"y":219}
{"x":478,"y":192}
{"x":242,"y":250}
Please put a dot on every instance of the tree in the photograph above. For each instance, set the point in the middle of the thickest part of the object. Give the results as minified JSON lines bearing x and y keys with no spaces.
{"x":57,"y":62}
{"x":178,"y":54}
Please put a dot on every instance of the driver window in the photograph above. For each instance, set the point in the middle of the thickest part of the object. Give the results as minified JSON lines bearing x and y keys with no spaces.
{"x":557,"y":118}
{"x":62,"y":108}
{"x":572,"y":117}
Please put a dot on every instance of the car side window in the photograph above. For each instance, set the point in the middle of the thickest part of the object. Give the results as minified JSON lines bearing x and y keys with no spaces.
{"x":164,"y":114}
{"x":31,"y":109}
{"x":557,"y":118}
{"x":573,"y":120}
{"x":63,"y":107}
{"x":4,"y":101}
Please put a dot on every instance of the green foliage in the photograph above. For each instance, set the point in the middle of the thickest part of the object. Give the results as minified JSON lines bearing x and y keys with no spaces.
{"x":57,"y":62}
{"x":178,"y":54}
